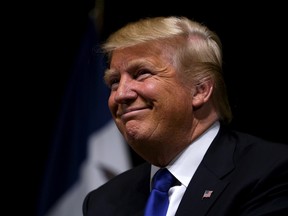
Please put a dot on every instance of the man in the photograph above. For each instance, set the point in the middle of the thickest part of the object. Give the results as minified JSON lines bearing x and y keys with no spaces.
{"x":169,"y":101}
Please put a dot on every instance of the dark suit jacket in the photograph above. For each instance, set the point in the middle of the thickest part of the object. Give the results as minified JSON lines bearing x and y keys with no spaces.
{"x":248,"y":176}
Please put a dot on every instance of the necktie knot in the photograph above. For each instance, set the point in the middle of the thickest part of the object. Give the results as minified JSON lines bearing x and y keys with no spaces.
{"x":158,"y":201}
{"x":163,"y":180}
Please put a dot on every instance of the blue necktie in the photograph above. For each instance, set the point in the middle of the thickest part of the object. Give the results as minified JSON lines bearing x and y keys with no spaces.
{"x":158,"y":201}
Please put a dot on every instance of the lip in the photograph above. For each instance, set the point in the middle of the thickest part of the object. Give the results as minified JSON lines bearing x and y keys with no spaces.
{"x":130,"y":112}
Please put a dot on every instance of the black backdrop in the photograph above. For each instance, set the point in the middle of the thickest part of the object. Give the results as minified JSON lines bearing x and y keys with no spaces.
{"x":46,"y":39}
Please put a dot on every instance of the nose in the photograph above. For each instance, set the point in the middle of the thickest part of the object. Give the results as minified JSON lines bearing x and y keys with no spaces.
{"x":125,"y":91}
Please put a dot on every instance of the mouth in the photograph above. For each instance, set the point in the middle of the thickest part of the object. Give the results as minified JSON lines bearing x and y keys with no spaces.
{"x":130,"y":112}
{"x":122,"y":112}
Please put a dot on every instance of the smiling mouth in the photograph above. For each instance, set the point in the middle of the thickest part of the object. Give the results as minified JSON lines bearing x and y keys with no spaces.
{"x":130,"y":111}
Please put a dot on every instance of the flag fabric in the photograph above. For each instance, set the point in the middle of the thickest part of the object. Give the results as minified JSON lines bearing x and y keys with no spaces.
{"x":87,"y":148}
{"x":207,"y":194}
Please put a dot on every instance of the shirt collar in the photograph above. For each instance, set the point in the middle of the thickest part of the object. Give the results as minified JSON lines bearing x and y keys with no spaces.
{"x":185,"y":164}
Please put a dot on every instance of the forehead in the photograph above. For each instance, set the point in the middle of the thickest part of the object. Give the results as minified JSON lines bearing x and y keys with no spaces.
{"x":153,"y":53}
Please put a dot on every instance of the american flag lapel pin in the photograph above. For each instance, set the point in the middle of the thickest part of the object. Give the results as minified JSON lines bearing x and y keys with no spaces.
{"x":207,"y":194}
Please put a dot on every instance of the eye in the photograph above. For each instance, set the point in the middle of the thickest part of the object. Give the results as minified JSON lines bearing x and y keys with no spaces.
{"x":142,"y":74}
{"x":113,"y":82}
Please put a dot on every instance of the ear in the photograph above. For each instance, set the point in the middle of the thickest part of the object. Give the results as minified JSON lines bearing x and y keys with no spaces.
{"x":202,"y":93}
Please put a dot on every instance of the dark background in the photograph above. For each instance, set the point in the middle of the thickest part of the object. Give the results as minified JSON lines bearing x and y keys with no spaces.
{"x":44,"y":38}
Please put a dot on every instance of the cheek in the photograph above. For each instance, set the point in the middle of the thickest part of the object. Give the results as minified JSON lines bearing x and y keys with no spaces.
{"x":150,"y":90}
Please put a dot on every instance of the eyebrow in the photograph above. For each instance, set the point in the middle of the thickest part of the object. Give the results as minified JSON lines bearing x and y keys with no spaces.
{"x":109,"y":73}
{"x":133,"y":64}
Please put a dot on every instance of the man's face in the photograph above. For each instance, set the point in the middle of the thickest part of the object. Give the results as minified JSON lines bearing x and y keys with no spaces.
{"x":148,"y":101}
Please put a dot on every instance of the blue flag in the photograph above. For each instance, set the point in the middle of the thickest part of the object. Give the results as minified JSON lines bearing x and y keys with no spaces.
{"x":87,"y":148}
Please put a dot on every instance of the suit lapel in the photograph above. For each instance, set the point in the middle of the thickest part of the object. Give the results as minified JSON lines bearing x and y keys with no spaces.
{"x":139,"y":191}
{"x":209,"y":178}
{"x":138,"y":203}
{"x":194,"y":200}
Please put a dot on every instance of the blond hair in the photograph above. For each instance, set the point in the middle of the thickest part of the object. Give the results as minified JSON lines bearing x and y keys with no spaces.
{"x":197,"y":51}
